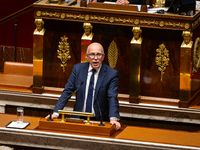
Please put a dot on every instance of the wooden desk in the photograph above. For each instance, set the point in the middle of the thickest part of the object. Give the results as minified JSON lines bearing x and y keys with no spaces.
{"x":128,"y":138}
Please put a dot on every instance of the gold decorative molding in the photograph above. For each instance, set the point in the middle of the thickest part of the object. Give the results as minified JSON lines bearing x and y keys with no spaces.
{"x":131,"y":21}
{"x":112,"y":54}
{"x":196,"y":23}
{"x":63,"y":52}
{"x":186,"y":26}
{"x":38,"y":13}
{"x":196,"y":56}
{"x":162,"y":59}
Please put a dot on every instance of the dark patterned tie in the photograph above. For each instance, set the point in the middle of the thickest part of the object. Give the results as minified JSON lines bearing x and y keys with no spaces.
{"x":90,"y":93}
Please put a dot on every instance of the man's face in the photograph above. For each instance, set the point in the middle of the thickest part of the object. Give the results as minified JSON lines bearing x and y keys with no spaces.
{"x":95,"y":62}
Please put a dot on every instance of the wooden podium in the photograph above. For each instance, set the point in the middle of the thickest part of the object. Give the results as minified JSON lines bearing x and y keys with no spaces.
{"x":57,"y":125}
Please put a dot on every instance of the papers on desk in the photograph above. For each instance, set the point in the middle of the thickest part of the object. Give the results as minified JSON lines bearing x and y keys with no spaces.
{"x":154,"y":10}
{"x":139,"y":6}
{"x":14,"y":124}
{"x":150,"y":10}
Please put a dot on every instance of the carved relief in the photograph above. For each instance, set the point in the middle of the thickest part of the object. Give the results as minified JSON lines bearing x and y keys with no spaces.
{"x":162,"y":59}
{"x":111,"y":19}
{"x":196,"y":56}
{"x":112,"y":54}
{"x":63,"y":52}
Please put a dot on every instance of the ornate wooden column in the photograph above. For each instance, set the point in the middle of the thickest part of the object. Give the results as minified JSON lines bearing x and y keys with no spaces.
{"x":86,"y":40}
{"x":38,"y":42}
{"x":185,"y":67}
{"x":135,"y":64}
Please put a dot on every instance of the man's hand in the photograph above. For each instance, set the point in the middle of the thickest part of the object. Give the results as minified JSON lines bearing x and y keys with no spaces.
{"x":116,"y":123}
{"x":88,"y":1}
{"x":53,"y":116}
{"x":122,"y":2}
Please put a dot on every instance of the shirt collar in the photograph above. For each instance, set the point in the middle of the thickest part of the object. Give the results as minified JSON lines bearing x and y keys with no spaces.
{"x":97,"y":70}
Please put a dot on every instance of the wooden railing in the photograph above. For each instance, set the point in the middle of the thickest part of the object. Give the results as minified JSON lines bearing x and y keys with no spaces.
{"x":15,"y":15}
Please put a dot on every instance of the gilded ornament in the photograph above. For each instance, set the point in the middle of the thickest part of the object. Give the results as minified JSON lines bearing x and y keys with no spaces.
{"x":99,"y":18}
{"x":121,"y":20}
{"x":187,"y":26}
{"x":88,"y":34}
{"x":112,"y":19}
{"x":196,"y":56}
{"x":160,"y":3}
{"x":131,"y":21}
{"x":67,"y":16}
{"x":124,"y":20}
{"x":187,"y":39}
{"x":63,"y":52}
{"x":39,"y":27}
{"x":161,"y":23}
{"x":162,"y":59}
{"x":62,"y":15}
{"x":38,"y":13}
{"x":136,"y":21}
{"x":112,"y":54}
{"x":136,"y":35}
{"x":57,"y":15}
{"x":75,"y":16}
{"x":87,"y":17}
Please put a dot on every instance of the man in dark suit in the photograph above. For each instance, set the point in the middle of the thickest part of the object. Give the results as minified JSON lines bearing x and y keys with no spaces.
{"x":105,"y":84}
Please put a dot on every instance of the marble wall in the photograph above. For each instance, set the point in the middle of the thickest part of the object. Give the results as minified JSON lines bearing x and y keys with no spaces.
{"x":7,"y":53}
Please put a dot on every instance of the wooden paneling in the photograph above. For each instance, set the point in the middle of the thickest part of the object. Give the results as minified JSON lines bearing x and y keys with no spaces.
{"x":104,"y":34}
{"x":53,"y":73}
{"x":150,"y":75}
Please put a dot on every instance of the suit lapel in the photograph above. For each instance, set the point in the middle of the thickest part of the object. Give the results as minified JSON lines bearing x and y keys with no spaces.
{"x":101,"y":76}
{"x":84,"y":73}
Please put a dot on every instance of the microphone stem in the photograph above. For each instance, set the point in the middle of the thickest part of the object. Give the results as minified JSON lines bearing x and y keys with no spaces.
{"x":101,"y":119}
{"x":101,"y":123}
{"x":50,"y":117}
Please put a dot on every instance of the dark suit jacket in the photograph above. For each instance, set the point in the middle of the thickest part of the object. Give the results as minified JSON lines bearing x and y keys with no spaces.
{"x":106,"y":90}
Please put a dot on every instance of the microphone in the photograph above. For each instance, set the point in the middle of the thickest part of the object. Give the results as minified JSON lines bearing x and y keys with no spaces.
{"x":50,"y":117}
{"x":101,"y":119}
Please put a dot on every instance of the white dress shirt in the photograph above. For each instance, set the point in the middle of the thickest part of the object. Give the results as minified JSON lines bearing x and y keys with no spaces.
{"x":96,"y":74}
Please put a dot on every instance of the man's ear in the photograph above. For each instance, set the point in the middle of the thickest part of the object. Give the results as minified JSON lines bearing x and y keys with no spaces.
{"x":103,"y":57}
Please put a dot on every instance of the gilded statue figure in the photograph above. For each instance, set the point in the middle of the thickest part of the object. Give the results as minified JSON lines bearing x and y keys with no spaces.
{"x":136,"y":35}
{"x":187,"y":39}
{"x":39,"y":27}
{"x":88,"y":35}
{"x":160,"y":3}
